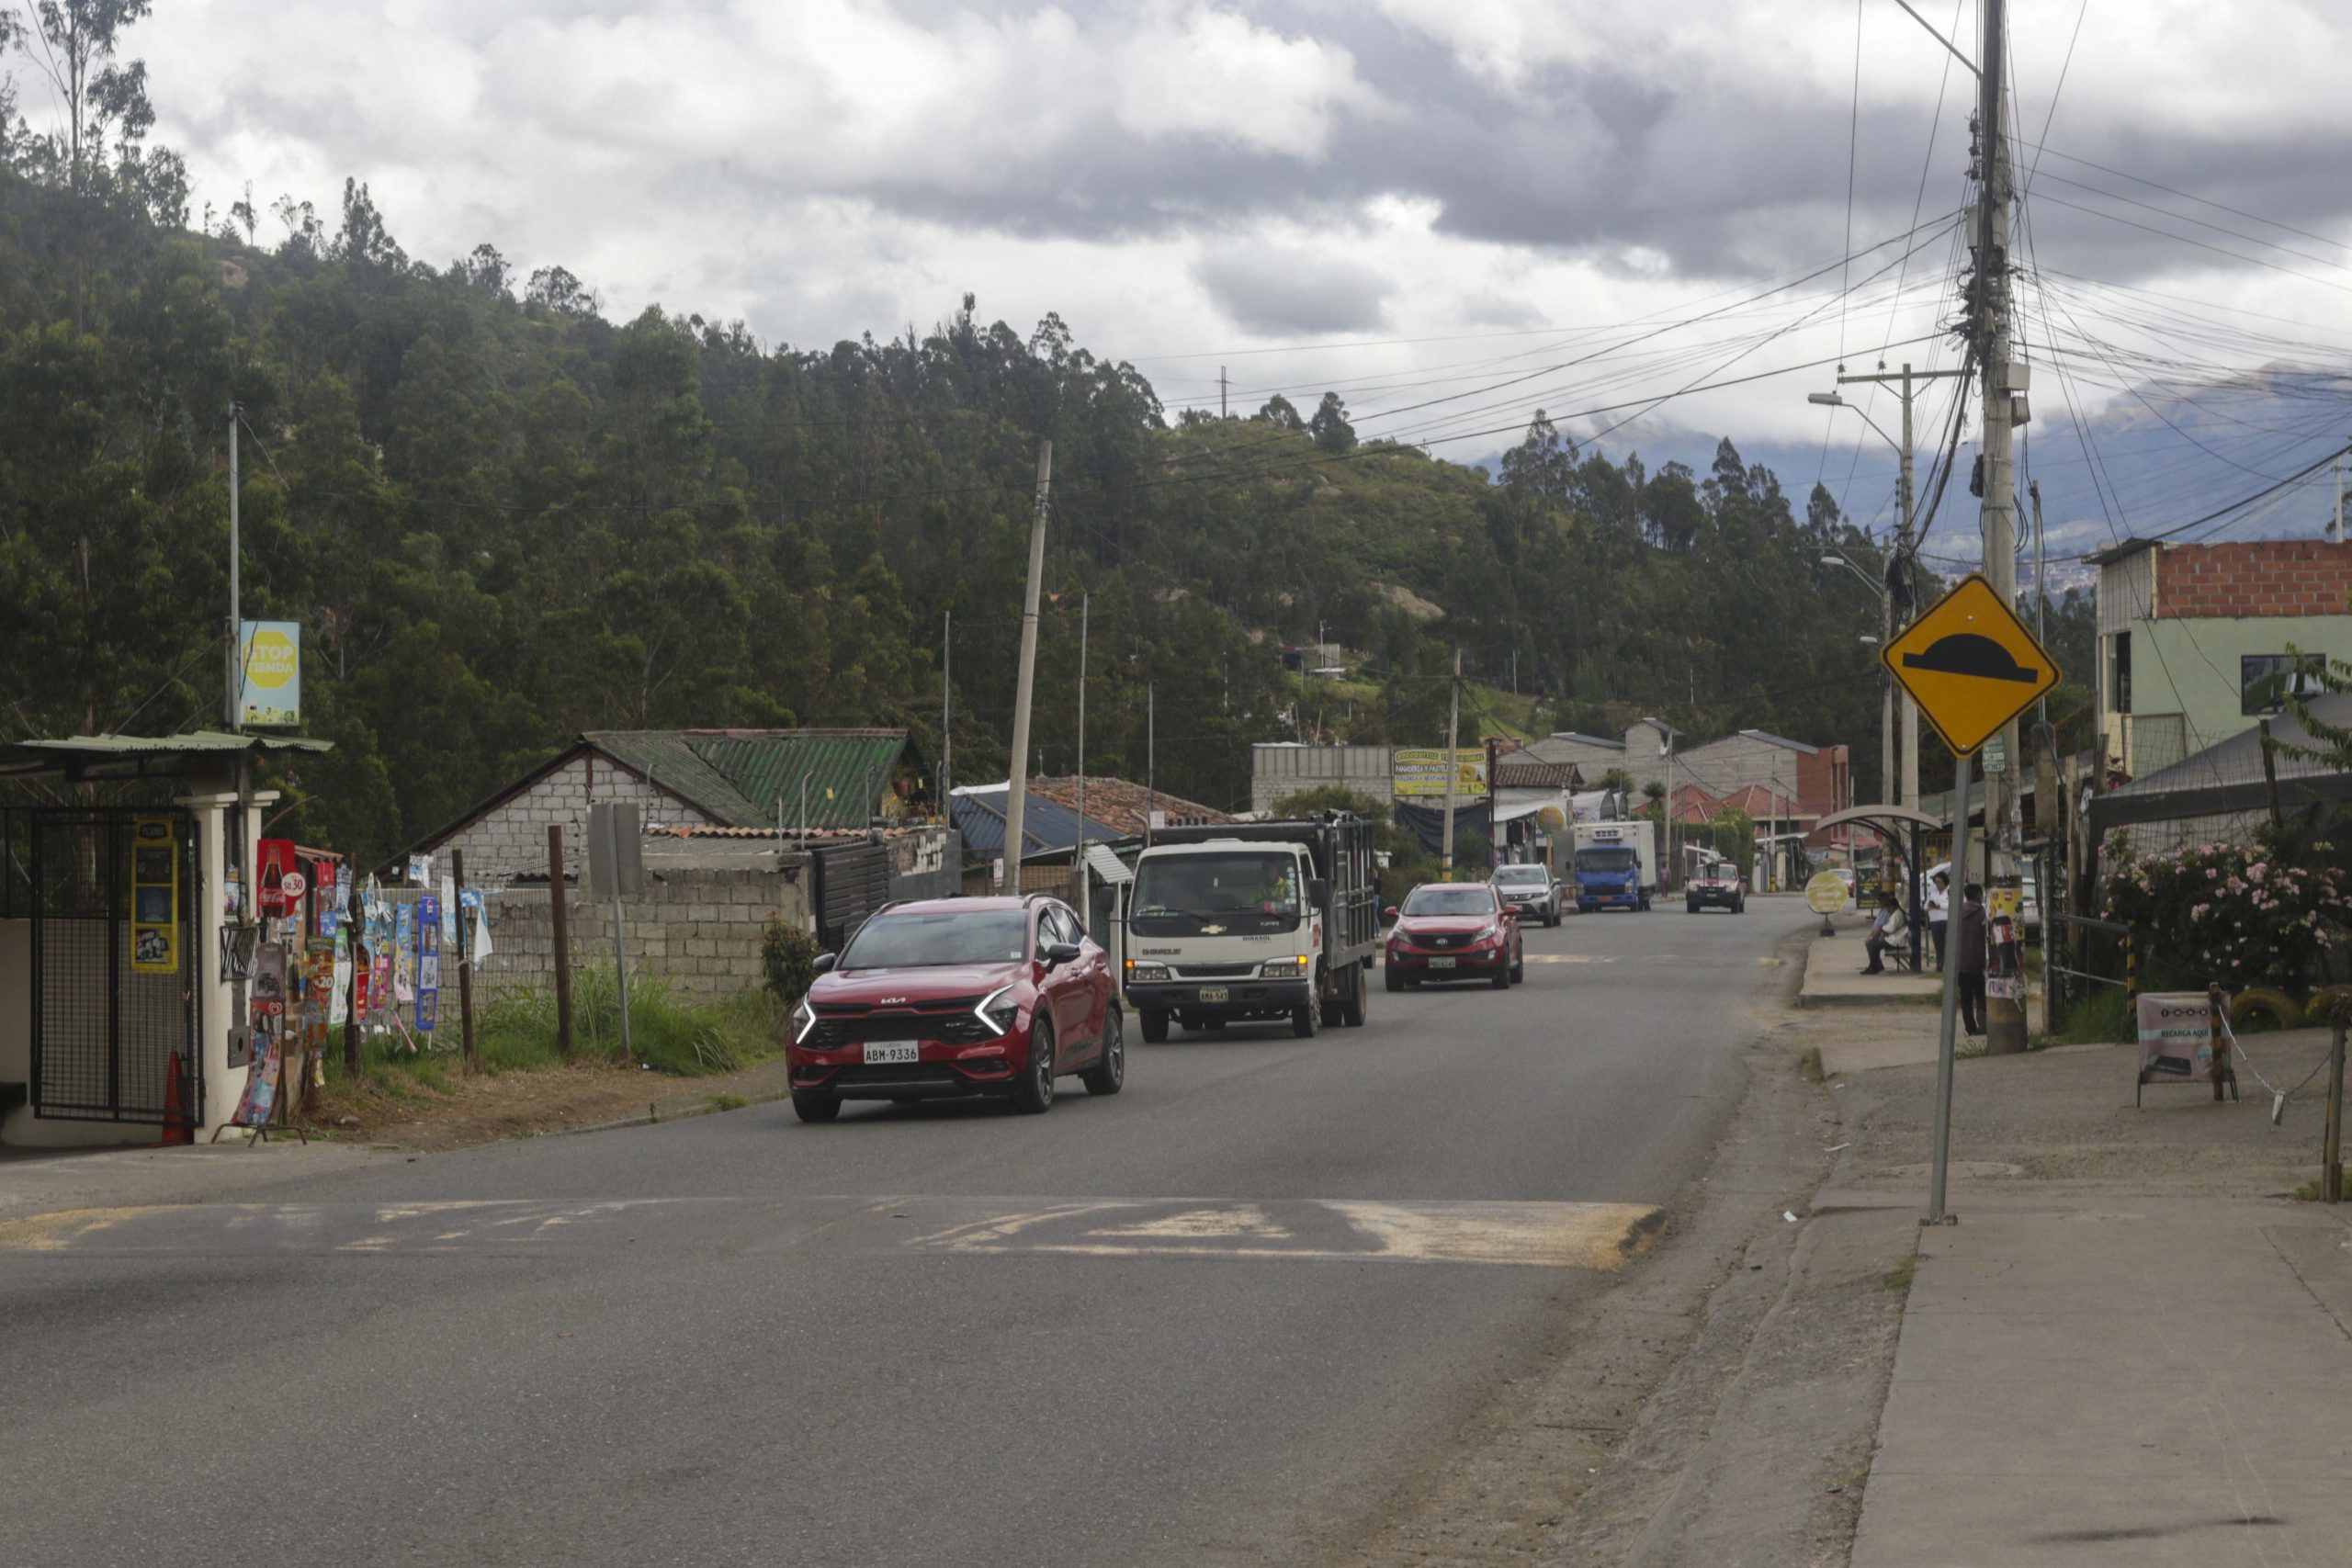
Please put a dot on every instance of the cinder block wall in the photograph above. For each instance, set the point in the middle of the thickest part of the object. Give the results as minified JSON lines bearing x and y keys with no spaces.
{"x":511,"y":841}
{"x":696,"y":928}
{"x":2242,"y":578}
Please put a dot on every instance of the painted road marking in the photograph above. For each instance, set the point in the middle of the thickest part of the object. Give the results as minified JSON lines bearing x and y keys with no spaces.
{"x":1531,"y":1235}
{"x":306,"y":1227}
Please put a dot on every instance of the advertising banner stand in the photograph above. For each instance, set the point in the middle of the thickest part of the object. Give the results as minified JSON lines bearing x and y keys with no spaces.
{"x":2181,"y":1042}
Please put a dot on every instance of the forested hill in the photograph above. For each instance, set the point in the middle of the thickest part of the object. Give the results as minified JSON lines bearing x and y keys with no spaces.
{"x":502,"y":518}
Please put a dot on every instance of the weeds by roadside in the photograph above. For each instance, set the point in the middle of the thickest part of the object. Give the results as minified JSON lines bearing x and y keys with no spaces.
{"x":2105,"y":1018}
{"x":516,"y":1033}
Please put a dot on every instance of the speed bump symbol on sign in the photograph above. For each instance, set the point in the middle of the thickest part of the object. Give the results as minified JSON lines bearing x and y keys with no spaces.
{"x":1971,"y":665}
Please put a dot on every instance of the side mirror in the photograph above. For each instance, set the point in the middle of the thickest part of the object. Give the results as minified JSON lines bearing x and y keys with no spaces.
{"x":1389,"y":913}
{"x":1056,"y":953}
{"x":825,"y":961}
{"x":1318,"y":891}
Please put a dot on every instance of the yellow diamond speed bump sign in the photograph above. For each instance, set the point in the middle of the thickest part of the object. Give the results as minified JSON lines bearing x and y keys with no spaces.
{"x":1971,"y":665}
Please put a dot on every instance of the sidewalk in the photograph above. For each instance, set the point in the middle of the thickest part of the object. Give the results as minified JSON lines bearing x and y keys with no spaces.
{"x":2131,"y":1346}
{"x":1833,"y":975}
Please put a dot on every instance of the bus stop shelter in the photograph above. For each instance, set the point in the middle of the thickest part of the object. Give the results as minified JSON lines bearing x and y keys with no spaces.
{"x":1904,"y":830}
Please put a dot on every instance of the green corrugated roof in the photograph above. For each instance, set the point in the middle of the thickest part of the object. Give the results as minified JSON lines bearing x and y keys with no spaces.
{"x":196,"y":740}
{"x":738,"y":777}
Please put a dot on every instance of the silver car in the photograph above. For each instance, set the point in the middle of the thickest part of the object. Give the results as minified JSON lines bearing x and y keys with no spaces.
{"x":1533,"y":890}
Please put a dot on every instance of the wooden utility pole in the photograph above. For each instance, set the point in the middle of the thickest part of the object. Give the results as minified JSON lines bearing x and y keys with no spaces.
{"x":353,"y":926}
{"x":1452,"y":741}
{"x":562,"y":920}
{"x":465,"y":957}
{"x":1078,"y":860}
{"x":1017,"y":779}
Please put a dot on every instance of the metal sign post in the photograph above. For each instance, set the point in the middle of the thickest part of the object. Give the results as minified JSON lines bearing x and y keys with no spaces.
{"x":1944,"y":1044}
{"x":616,"y":867}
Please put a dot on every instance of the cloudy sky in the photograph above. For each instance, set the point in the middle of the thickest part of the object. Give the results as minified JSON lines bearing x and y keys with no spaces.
{"x":1452,"y":211}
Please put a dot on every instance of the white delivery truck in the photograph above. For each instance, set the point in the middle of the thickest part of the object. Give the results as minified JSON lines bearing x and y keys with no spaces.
{"x":1253,"y":920}
{"x":1616,"y":866}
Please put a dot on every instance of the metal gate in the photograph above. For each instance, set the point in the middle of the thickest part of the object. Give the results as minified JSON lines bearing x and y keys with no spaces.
{"x":115,"y":965}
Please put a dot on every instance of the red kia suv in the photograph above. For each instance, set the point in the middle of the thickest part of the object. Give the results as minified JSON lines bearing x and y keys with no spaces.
{"x":957,"y":997}
{"x":1454,"y":930}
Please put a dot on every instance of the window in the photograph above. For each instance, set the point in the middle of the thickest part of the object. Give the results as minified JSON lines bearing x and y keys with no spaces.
{"x":2266,"y":679}
{"x":2118,"y":676}
{"x":1435,"y":898}
{"x":936,"y":937}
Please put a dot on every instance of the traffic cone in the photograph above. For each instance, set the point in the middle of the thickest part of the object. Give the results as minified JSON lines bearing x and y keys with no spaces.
{"x":178,"y":1128}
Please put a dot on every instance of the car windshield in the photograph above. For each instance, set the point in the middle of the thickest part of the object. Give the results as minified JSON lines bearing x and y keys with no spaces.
{"x":927,"y":938}
{"x":1523,"y":874}
{"x":1249,"y":891}
{"x":1449,"y":901}
{"x":1613,"y":858}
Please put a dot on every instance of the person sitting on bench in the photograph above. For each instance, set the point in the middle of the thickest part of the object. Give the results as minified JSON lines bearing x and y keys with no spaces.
{"x":1886,"y":929}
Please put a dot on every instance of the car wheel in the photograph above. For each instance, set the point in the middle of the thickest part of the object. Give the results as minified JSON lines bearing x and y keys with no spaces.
{"x":1107,"y":1076}
{"x":1689,"y":906}
{"x":1305,"y":1021}
{"x":1155,"y":1027}
{"x":1518,"y":967}
{"x":1558,"y":914}
{"x":1356,"y":1000}
{"x":1501,"y":982}
{"x":1034,"y":1092}
{"x":1395,"y":976}
{"x":816,"y":1107}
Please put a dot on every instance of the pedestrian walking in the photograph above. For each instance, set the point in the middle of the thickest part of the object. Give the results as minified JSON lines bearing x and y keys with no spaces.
{"x":1970,"y":959}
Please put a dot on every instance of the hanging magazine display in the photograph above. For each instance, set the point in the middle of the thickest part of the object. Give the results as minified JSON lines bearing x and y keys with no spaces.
{"x":339,"y":993}
{"x":266,"y":1019}
{"x":428,"y":961}
{"x":403,"y":953}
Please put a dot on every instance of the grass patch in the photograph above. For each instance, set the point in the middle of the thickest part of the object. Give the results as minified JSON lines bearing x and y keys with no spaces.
{"x":1899,"y":1280}
{"x":1809,"y":1065}
{"x":2312,"y":1191}
{"x":2108,"y":1017}
{"x":727,"y":1101}
{"x":515,"y":1033}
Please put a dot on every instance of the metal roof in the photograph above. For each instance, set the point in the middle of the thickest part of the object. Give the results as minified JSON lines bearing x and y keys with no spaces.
{"x":1046,"y":826}
{"x":195,"y":742}
{"x":1769,"y":738}
{"x":751,"y":778}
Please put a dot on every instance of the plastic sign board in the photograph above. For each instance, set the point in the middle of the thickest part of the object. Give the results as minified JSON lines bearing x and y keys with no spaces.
{"x":1971,"y":665}
{"x":276,"y":864}
{"x":1423,"y":773}
{"x":1825,"y":893}
{"x":155,"y":896}
{"x":2175,"y":1037}
{"x":270,"y":654}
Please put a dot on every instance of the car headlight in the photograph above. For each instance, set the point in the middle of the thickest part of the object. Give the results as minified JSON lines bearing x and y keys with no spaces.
{"x":1146,"y":971}
{"x":998,"y":1009}
{"x":804,"y":1019}
{"x":1282,"y":968}
{"x":1492,"y":933}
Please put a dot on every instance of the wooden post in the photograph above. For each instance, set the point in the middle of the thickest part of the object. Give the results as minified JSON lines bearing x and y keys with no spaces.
{"x":2216,"y":1042}
{"x":465,"y":957}
{"x":2331,"y":1162}
{"x":562,"y":940}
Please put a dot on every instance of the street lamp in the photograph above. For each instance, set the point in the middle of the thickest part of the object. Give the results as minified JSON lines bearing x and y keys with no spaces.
{"x":1886,"y":706}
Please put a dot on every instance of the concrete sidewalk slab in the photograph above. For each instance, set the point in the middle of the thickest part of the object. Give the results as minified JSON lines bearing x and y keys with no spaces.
{"x":1842,"y":1058}
{"x":1833,"y":977}
{"x":2099,"y":1380}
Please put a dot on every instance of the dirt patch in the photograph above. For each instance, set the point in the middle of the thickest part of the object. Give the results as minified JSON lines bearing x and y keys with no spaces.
{"x":397,"y":1111}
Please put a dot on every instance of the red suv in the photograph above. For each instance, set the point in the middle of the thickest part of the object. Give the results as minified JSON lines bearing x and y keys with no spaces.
{"x":1457,"y":930}
{"x":956,"y":997}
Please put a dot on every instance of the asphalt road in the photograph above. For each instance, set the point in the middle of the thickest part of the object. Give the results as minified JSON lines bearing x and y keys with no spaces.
{"x":1204,"y":1320}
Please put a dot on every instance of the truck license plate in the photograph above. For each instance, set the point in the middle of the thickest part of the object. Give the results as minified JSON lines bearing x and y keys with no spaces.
{"x":888,"y":1053}
{"x":1216,"y":993}
{"x":1441,"y":963}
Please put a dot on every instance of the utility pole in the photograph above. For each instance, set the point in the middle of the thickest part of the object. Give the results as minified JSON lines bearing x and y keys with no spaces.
{"x":1221,"y":413}
{"x":1150,"y":759}
{"x":240,"y":859}
{"x":947,"y":709}
{"x":2339,"y":498}
{"x":2005,"y":1030}
{"x":1907,"y":541}
{"x":1453,"y":739}
{"x":1017,"y":781}
{"x":1078,"y":860}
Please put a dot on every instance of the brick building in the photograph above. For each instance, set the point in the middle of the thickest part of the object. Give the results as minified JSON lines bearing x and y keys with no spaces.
{"x":2200,"y":642}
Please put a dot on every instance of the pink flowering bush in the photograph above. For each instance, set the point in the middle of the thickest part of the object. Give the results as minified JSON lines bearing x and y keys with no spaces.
{"x":2230,"y":913}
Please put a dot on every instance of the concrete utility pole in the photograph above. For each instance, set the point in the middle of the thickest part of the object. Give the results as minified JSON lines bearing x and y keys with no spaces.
{"x":1017,"y":782}
{"x":1990,"y":322}
{"x":946,"y":709}
{"x":1907,"y":541}
{"x":1078,"y":860}
{"x":1453,"y":739}
{"x":1221,"y":413}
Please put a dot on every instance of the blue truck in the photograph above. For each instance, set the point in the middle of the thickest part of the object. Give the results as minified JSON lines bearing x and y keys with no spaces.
{"x":1616,"y":866}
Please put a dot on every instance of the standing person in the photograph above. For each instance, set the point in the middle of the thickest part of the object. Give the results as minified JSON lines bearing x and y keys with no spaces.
{"x":1971,"y":959}
{"x":1938,"y":906}
{"x":1885,"y":927}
